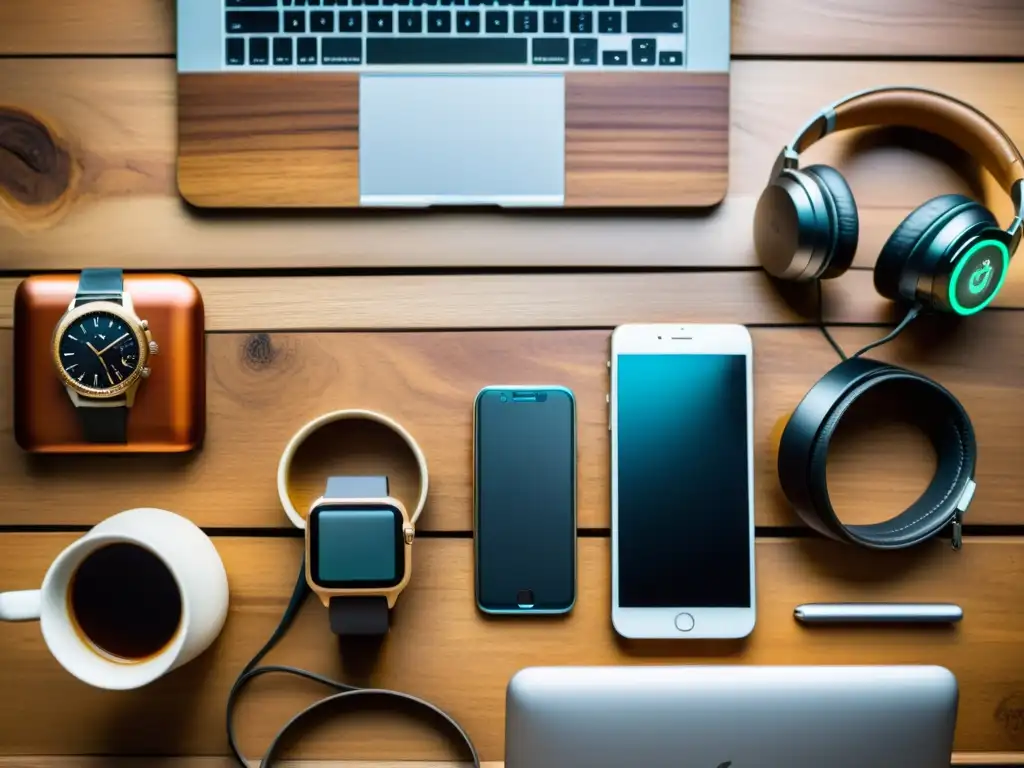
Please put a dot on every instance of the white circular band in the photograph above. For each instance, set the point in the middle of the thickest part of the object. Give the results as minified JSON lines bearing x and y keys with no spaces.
{"x":285,"y":465}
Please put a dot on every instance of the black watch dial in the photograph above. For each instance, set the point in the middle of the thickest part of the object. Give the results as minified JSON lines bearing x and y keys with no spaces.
{"x":99,"y":351}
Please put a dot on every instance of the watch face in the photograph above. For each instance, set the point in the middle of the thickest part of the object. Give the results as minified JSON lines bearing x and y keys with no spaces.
{"x":356,"y":547}
{"x":99,"y":351}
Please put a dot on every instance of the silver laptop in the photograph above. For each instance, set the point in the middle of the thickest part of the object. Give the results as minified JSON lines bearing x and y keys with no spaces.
{"x":347,"y":103}
{"x":731,"y":717}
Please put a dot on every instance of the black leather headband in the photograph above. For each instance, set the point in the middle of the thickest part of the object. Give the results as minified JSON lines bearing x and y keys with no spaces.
{"x":803,"y":453}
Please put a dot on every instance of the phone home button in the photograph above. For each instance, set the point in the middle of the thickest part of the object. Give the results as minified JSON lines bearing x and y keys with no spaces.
{"x":525,"y":598}
{"x":684,"y":622}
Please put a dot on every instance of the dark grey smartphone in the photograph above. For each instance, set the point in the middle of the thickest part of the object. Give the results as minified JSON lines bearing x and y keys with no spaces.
{"x":524,"y":487}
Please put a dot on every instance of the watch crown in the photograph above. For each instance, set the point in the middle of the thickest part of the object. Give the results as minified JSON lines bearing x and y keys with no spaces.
{"x":154,"y":348}
{"x":409,"y":532}
{"x":145,"y":325}
{"x":144,"y":373}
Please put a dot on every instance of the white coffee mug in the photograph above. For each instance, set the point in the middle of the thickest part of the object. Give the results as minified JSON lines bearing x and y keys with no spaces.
{"x":188,"y":555}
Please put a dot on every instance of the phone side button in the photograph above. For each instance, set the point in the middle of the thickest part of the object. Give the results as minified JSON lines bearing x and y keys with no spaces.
{"x":608,"y":400}
{"x":684,"y":622}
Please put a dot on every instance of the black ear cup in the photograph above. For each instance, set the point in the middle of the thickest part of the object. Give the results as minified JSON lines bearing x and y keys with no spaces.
{"x":905,"y":244}
{"x":843,"y":212}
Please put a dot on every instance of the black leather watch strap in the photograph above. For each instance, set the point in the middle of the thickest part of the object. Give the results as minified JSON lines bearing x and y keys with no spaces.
{"x":360,"y":616}
{"x":803,"y":453}
{"x":104,"y":425}
{"x":100,"y":285}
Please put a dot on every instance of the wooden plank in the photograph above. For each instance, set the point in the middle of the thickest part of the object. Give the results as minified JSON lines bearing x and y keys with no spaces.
{"x":262,"y":388}
{"x":118,"y":119}
{"x":560,"y":300}
{"x":959,"y":758}
{"x":594,"y":300}
{"x":442,"y":648}
{"x":633,"y":139}
{"x":775,"y":27}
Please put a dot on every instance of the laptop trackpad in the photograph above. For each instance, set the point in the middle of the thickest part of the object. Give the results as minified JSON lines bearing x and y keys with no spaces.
{"x":461,"y":139}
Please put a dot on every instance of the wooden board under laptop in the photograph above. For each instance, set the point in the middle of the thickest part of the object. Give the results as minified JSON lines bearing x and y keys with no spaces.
{"x":275,"y":117}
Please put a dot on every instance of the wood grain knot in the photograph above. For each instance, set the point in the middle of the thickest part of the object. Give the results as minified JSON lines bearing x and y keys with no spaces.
{"x":1010,"y":714}
{"x":35,"y":168}
{"x":258,"y":351}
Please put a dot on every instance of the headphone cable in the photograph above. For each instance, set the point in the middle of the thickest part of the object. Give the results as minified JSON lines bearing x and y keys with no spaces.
{"x":912,"y":314}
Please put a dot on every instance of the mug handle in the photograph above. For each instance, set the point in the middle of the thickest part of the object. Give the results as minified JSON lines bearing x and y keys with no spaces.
{"x":20,"y":606}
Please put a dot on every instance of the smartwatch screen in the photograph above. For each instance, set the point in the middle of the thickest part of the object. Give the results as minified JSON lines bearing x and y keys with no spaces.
{"x":356,"y":547}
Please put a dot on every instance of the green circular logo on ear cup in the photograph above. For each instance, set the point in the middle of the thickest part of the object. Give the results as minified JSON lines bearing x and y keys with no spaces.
{"x":978,"y":276}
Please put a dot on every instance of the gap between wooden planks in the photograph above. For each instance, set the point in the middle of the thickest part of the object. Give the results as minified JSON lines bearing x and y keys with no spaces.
{"x":442,"y":648}
{"x":118,"y":120}
{"x":262,"y":388}
{"x":760,"y":27}
{"x":959,"y":758}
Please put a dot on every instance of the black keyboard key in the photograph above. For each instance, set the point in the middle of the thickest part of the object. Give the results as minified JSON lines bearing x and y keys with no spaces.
{"x":614,"y":58}
{"x":670,"y":59}
{"x":252,"y":3}
{"x":350,"y":21}
{"x":295,"y":21}
{"x":453,"y":2}
{"x":554,"y":23}
{"x":514,"y":2}
{"x":259,"y":51}
{"x":619,"y":3}
{"x":446,"y":50}
{"x":283,"y":52}
{"x":661,"y":3}
{"x":550,"y":50}
{"x":341,"y":50}
{"x":524,"y":21}
{"x":651,"y":22}
{"x":584,"y":50}
{"x":379,"y":21}
{"x":321,"y":21}
{"x":609,"y":22}
{"x":439,"y":22}
{"x":540,"y":2}
{"x":307,"y":50}
{"x":596,"y":2}
{"x":467,"y":22}
{"x":241,"y":22}
{"x":410,"y":21}
{"x":236,"y":51}
{"x":581,"y":22}
{"x":497,"y":22}
{"x":567,"y":2}
{"x":643,"y":52}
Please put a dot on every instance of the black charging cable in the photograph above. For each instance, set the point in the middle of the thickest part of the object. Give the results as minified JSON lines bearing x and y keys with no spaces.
{"x":912,"y":314}
{"x":344,"y":691}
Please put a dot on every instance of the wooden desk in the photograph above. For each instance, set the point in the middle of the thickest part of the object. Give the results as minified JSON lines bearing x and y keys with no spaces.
{"x":413,"y":312}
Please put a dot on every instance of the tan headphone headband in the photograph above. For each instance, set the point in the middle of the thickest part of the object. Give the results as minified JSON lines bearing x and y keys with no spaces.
{"x":928,"y":111}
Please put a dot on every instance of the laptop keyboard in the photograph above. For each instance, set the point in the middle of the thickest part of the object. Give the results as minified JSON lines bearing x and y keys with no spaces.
{"x":356,"y":34}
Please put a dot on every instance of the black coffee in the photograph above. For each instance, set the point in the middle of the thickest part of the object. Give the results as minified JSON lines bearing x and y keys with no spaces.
{"x":125,"y":602}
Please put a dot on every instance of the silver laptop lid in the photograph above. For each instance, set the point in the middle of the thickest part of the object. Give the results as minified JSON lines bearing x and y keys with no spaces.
{"x":731,"y":717}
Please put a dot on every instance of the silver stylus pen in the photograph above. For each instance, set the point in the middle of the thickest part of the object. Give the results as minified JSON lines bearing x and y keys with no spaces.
{"x":878,"y":613}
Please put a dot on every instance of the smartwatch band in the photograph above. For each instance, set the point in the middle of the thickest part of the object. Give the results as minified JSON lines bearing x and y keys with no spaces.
{"x":803,"y":454}
{"x":106,"y":424}
{"x":363,"y":615}
{"x":284,"y":466}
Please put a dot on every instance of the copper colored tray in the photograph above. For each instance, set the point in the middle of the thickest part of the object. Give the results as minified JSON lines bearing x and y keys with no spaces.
{"x":169,"y":414}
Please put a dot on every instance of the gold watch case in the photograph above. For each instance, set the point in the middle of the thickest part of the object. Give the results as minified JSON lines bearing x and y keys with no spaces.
{"x":408,"y":535}
{"x":139,"y":329}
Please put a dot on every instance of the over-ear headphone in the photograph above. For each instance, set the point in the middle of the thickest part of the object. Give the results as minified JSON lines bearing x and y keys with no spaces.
{"x":948,"y":255}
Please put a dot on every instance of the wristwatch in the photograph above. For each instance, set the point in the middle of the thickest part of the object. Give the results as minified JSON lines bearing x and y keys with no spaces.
{"x":101,"y":350}
{"x":358,"y":537}
{"x":358,"y":553}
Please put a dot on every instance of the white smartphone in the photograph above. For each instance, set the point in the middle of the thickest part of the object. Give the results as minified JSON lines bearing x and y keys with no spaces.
{"x":682,"y":433}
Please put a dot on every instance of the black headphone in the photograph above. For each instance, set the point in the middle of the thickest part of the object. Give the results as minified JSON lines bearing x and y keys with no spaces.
{"x":949,"y":255}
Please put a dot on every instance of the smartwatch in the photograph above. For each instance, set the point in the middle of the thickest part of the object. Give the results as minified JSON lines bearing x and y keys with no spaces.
{"x":358,"y":537}
{"x":358,"y":553}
